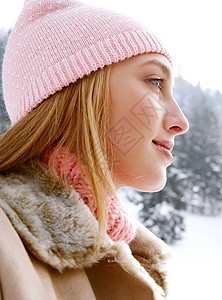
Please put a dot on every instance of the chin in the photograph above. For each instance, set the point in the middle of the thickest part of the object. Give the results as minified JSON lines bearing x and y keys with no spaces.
{"x":150,"y":187}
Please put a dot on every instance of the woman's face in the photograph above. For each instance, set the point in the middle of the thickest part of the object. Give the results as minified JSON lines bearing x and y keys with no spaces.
{"x":145,"y":120}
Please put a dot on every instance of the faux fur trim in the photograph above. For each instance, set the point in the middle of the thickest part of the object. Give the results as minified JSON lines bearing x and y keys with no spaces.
{"x":153,"y":254}
{"x":60,"y":230}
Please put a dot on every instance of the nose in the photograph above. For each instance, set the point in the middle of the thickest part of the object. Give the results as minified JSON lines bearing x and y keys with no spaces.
{"x":175,"y":120}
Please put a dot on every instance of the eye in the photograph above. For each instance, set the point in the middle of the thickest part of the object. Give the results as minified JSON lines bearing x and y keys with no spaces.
{"x":158,"y":82}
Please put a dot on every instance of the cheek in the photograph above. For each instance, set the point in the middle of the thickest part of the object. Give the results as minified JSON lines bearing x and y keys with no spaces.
{"x":135,"y":120}
{"x":124,"y":98}
{"x":125,"y":130}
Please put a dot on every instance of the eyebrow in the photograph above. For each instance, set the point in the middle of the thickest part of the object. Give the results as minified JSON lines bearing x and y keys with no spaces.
{"x":162,"y":66}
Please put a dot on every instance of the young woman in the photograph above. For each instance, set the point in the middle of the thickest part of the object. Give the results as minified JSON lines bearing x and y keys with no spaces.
{"x":89,"y":94}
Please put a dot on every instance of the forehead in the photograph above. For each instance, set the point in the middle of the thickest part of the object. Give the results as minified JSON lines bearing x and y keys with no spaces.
{"x":145,"y":60}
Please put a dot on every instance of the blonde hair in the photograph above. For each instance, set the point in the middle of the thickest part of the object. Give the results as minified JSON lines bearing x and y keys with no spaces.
{"x":76,"y":117}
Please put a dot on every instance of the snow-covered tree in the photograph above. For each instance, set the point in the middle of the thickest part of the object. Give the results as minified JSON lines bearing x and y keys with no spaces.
{"x":203,"y":160}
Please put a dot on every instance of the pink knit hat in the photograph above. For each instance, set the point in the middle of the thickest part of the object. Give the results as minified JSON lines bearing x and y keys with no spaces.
{"x":56,"y":42}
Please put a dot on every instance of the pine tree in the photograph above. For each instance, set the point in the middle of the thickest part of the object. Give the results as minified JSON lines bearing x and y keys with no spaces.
{"x":203,"y":164}
{"x":160,"y":216}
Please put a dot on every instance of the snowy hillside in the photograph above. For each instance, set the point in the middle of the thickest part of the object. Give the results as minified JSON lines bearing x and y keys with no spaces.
{"x":197,"y":260}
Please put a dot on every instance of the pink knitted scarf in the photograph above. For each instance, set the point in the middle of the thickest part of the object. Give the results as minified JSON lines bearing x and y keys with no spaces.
{"x":120,"y":226}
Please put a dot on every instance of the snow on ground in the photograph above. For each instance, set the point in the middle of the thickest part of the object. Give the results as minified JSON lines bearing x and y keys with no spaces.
{"x":196,"y":264}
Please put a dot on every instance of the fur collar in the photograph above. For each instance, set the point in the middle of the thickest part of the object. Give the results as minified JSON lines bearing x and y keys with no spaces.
{"x":59,"y":229}
{"x":54,"y":223}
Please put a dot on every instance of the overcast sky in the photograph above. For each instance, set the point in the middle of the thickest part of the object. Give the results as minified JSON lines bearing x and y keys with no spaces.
{"x":190,"y":29}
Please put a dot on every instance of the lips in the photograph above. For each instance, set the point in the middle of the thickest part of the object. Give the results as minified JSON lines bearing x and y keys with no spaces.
{"x":164,"y":146}
{"x":164,"y":143}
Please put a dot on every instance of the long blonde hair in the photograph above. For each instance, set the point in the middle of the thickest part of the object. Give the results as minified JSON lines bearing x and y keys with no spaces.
{"x":77,"y":117}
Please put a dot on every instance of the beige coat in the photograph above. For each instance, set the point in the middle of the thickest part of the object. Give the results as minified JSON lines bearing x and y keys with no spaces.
{"x":48,"y":239}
